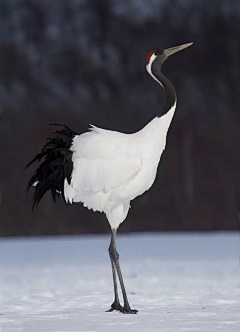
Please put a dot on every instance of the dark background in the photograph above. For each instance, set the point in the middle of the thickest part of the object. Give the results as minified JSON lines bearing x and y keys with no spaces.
{"x":83,"y":61}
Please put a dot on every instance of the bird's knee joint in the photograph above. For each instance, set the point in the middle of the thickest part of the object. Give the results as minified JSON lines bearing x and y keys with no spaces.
{"x":116,"y":254}
{"x":113,"y":253}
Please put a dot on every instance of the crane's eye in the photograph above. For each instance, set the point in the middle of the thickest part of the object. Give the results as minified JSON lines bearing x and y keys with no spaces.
{"x":159,"y":52}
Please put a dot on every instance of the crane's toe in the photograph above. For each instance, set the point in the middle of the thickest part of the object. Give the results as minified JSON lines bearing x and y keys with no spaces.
{"x":125,"y":310}
{"x":115,"y":306}
{"x":129,"y":311}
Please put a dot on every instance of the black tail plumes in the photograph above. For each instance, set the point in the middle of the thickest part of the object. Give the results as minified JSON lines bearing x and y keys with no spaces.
{"x":56,"y":165}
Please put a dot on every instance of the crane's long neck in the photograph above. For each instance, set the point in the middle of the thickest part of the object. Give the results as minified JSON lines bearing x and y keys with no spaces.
{"x":171,"y":98}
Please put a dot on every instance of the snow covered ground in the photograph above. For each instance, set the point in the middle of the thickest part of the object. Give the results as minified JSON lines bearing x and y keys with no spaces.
{"x":179,"y":282}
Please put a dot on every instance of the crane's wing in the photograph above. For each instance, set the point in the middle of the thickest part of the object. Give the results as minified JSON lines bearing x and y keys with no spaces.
{"x":102,"y":161}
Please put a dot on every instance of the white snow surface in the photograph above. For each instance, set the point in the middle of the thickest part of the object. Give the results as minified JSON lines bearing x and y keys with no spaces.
{"x":178,"y":282}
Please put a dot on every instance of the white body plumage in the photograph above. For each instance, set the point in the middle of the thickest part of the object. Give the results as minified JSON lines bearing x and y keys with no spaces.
{"x":111,"y":168}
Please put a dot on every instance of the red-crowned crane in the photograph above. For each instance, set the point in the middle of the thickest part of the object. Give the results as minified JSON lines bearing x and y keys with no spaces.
{"x":105,"y":169}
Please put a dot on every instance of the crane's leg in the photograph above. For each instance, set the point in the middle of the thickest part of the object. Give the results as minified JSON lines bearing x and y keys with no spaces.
{"x":115,"y":264}
{"x":116,"y":304}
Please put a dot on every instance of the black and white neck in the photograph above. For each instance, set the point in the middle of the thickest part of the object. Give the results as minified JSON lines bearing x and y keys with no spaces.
{"x":154,"y":69}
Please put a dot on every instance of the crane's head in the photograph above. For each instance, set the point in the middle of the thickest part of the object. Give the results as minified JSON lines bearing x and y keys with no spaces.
{"x":159,"y":56}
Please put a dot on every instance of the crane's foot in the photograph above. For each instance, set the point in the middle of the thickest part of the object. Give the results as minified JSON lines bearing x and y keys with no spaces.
{"x":125,"y":310}
{"x":129,"y":311}
{"x":115,"y":306}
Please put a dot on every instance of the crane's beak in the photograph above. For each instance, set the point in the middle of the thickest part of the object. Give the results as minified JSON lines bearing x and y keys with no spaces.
{"x":172,"y":50}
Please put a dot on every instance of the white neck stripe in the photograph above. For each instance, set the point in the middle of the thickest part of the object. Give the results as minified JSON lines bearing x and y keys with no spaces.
{"x":149,"y":68}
